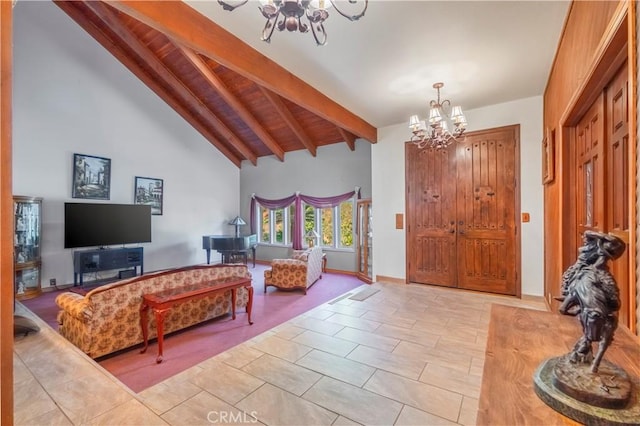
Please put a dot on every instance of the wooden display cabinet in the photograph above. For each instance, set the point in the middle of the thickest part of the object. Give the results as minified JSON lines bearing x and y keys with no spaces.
{"x":364,"y":240}
{"x":26,"y":247}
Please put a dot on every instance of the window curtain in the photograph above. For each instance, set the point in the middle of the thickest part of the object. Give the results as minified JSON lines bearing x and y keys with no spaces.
{"x":270,"y":204}
{"x":297,"y":198}
{"x":319,"y":203}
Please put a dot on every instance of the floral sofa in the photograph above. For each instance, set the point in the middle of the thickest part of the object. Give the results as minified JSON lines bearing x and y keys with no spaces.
{"x":300,"y":272}
{"x":107,"y":318}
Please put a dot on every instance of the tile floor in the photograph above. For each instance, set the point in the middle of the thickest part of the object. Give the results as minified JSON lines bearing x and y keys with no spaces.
{"x":406,"y":355}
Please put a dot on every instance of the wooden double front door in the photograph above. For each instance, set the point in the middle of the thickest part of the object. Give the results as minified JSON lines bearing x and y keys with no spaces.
{"x":461,"y":207}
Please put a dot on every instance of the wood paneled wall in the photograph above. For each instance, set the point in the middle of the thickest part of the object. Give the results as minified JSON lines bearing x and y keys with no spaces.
{"x":6,"y":218}
{"x":595,"y":39}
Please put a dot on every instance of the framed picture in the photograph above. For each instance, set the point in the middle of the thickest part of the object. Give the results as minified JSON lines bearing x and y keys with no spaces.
{"x":91,"y":177}
{"x":149,"y":191}
{"x":549,"y":157}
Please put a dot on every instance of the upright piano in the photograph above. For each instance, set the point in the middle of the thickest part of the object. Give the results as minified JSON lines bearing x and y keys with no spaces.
{"x":231,"y":247}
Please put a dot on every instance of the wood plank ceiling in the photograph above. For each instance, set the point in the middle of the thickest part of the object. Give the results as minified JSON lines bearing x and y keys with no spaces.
{"x":244,"y":104}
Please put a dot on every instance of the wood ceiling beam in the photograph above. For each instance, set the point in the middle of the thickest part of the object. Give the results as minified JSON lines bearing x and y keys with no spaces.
{"x":232,"y":101}
{"x":108,"y":15}
{"x":288,"y":118}
{"x":79,"y":17}
{"x":186,"y":26}
{"x":349,"y":139}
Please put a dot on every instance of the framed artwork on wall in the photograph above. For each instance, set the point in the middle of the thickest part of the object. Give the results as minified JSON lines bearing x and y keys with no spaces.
{"x":91,"y":177}
{"x":549,"y":157}
{"x":149,"y":191}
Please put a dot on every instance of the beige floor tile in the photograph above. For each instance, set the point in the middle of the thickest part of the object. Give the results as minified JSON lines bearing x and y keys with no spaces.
{"x":274,"y":406}
{"x":351,"y":310}
{"x":321,"y":313}
{"x":240,"y":355}
{"x":368,"y":339}
{"x":372,"y":306}
{"x":410,"y":416}
{"x":343,"y":421}
{"x":430,"y":399}
{"x":390,"y":319}
{"x":226,"y":382}
{"x":477,"y":367}
{"x":412,"y":335}
{"x":337,"y":367}
{"x":71,"y":397}
{"x":283,"y":374}
{"x":55,"y":373}
{"x":457,"y":361}
{"x":402,"y":365}
{"x":353,"y":402}
{"x":469,"y":411}
{"x":20,"y":371}
{"x":456,"y":332}
{"x":473,"y":349}
{"x":287,"y":332}
{"x":319,"y":326}
{"x":285,"y":349}
{"x":51,"y":418}
{"x":330,"y":344}
{"x":353,"y":322}
{"x":131,"y":413}
{"x":166,"y":395}
{"x":30,"y":401}
{"x":206,"y":409}
{"x":186,"y":375}
{"x":453,"y":380}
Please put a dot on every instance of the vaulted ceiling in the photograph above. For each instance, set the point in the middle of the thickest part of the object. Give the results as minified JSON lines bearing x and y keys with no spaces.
{"x":242,"y":102}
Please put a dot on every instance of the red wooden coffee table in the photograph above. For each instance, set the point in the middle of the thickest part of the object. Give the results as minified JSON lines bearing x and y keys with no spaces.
{"x":162,"y":301}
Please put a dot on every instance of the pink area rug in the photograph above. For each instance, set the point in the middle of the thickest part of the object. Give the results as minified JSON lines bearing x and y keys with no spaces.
{"x":188,"y":347}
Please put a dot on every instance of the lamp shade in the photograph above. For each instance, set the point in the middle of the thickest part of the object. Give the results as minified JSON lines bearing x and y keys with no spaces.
{"x":434,"y":116}
{"x":311,"y":233}
{"x":237,"y":221}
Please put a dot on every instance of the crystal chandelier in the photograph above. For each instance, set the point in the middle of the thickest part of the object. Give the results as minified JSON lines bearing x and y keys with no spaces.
{"x":288,"y":14}
{"x":438,"y":135}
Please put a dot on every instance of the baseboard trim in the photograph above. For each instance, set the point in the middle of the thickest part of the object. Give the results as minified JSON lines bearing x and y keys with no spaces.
{"x":392,"y":280}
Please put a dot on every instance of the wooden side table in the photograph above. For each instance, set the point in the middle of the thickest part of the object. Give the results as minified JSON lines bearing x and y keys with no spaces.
{"x":162,"y":301}
{"x":519,"y":340}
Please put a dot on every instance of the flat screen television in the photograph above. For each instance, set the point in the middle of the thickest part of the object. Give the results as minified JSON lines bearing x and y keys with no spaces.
{"x":100,"y":225}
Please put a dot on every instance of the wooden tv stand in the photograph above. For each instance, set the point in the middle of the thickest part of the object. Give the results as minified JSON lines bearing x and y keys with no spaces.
{"x":95,"y":260}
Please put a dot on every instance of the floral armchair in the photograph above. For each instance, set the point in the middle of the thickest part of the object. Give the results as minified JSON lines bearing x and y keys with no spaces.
{"x":300,"y":272}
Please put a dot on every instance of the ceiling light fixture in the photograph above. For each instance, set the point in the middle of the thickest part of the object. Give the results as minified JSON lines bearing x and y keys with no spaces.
{"x":291,"y":12}
{"x":441,"y":116}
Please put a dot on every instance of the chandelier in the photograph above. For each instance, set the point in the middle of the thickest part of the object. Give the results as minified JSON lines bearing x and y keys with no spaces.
{"x":438,"y":134}
{"x":288,"y":14}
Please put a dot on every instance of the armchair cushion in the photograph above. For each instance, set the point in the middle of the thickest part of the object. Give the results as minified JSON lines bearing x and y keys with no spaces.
{"x":300,"y":272}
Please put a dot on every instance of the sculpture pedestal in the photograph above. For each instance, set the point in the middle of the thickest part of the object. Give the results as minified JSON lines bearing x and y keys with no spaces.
{"x":608,"y":397}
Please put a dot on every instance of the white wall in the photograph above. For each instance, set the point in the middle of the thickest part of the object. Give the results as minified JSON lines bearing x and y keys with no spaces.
{"x":334,"y":170}
{"x":388,"y":181}
{"x":72,"y":96}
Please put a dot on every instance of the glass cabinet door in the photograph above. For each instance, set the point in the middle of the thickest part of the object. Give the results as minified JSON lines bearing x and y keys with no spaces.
{"x":26,"y":248}
{"x":365,"y":239}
